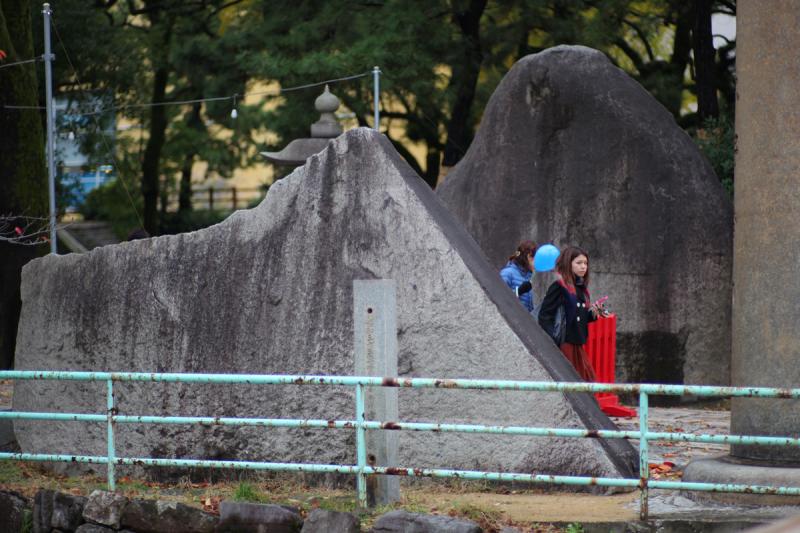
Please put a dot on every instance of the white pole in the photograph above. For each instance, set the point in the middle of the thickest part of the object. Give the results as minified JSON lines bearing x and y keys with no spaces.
{"x":51,"y":144}
{"x":376,"y":78}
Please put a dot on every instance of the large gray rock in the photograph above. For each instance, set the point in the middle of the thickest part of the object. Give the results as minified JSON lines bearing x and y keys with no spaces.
{"x":94,"y":528}
{"x":12,"y":511}
{"x":324,"y":521}
{"x":405,"y":522}
{"x":158,"y":516}
{"x":269,"y":291}
{"x":105,"y":508}
{"x":571,"y":149}
{"x":244,"y":517}
{"x":57,"y":510}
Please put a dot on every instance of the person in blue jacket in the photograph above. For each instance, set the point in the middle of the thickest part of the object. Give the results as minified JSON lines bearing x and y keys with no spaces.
{"x":518,"y":273}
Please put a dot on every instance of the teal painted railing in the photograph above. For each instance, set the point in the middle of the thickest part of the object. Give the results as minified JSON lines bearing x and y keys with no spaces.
{"x":361,"y":469}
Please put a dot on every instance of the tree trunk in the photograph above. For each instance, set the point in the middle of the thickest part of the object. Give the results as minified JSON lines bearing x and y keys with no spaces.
{"x":23,"y":183}
{"x":432,"y":166}
{"x":152,"y":152}
{"x":680,"y":56}
{"x":185,"y":192}
{"x":704,"y":61}
{"x":465,"y":79}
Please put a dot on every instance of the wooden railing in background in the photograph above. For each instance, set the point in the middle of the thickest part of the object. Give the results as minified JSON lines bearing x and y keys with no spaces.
{"x":223,"y":198}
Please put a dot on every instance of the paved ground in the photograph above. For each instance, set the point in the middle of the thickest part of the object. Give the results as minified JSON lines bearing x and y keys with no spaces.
{"x":682,"y":420}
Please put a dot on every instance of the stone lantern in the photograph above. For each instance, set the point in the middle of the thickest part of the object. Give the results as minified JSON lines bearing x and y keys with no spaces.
{"x":322,"y":131}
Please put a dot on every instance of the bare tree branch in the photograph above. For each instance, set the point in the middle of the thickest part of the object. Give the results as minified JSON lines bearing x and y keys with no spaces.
{"x":24,"y":231}
{"x":642,"y":37}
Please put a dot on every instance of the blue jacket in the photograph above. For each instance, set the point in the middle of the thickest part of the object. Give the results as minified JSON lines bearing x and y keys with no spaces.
{"x":514,"y":276}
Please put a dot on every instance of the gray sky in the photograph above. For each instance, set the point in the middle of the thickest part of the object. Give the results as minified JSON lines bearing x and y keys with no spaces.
{"x":723,"y":25}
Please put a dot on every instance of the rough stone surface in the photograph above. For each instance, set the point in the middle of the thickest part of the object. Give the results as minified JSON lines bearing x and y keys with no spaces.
{"x":728,"y":469}
{"x":269,"y":291}
{"x":156,"y":516}
{"x":104,"y":508}
{"x":405,"y":522}
{"x":766,"y":339}
{"x":8,"y":442}
{"x":94,"y":528}
{"x":323,"y":521}
{"x":245,"y":517}
{"x":57,"y":510}
{"x":12,"y":511}
{"x":573,"y":150}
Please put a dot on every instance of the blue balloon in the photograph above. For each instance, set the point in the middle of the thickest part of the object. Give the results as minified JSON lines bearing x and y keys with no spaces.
{"x":545,"y":258}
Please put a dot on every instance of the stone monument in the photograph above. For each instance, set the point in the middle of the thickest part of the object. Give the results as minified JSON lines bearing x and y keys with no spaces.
{"x":270,"y":291}
{"x":573,"y":150}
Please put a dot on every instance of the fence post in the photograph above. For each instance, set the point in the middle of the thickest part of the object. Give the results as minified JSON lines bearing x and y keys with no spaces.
{"x":361,"y":448}
{"x":233,"y":191}
{"x":375,"y":347}
{"x":110,"y":423}
{"x":210,"y":198}
{"x":644,"y":469}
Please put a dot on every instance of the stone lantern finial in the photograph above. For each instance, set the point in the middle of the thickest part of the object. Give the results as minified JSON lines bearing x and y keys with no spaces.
{"x":322,"y":131}
{"x":327,"y":126}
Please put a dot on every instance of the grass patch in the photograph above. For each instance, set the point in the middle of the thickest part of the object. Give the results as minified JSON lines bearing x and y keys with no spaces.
{"x":246,"y":492}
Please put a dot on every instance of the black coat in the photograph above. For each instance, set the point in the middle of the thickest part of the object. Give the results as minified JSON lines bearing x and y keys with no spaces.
{"x":576,"y":308}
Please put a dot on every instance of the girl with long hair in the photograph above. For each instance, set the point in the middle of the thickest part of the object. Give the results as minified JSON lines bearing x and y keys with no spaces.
{"x":567,"y":300}
{"x":518,"y":273}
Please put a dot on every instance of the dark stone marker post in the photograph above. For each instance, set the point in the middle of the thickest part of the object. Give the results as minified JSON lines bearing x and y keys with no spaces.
{"x":766,"y":294}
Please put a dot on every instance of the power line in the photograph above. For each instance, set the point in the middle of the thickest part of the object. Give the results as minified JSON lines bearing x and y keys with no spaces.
{"x":233,"y":97}
{"x":22,"y":106}
{"x":99,"y":128}
{"x":26,"y":61}
{"x":354,"y":76}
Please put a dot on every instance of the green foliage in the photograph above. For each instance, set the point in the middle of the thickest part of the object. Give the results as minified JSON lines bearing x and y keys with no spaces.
{"x":717,"y":140}
{"x":27,"y":521}
{"x":246,"y":492}
{"x":23,"y":175}
{"x":184,"y":221}
{"x":574,"y":527}
{"x":114,"y":203}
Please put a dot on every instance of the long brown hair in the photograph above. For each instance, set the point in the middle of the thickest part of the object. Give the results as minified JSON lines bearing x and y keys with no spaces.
{"x":564,"y":266}
{"x":520,"y":257}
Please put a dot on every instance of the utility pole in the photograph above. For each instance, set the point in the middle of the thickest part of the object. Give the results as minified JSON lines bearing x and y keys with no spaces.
{"x":51,"y":141}
{"x":376,"y":90}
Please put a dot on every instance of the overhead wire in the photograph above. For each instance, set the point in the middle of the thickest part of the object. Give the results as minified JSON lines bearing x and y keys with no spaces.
{"x":109,"y":109}
{"x":193,"y":101}
{"x":23,"y":62}
{"x":233,"y":97}
{"x":99,"y":127}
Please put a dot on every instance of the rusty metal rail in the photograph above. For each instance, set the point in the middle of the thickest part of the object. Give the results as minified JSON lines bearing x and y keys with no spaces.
{"x":361,"y":469}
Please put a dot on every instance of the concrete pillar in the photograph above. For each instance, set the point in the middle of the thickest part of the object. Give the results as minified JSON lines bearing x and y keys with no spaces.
{"x":766,"y":270}
{"x":375,"y":345}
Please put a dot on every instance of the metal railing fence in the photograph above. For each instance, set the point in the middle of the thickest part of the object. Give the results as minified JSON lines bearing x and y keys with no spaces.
{"x":361,"y":469}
